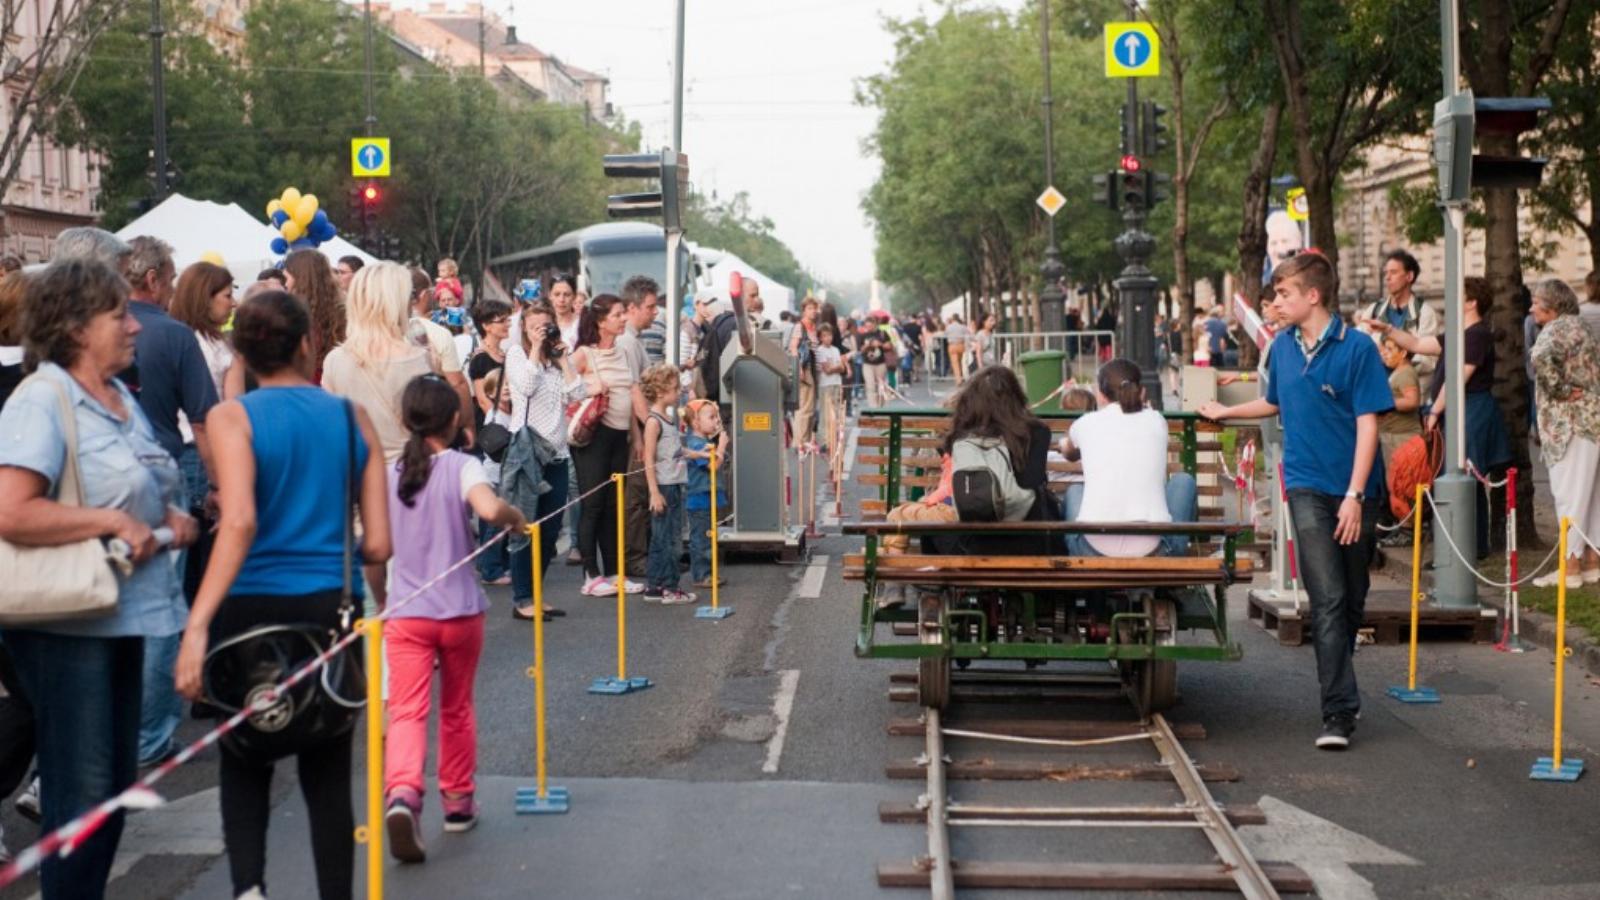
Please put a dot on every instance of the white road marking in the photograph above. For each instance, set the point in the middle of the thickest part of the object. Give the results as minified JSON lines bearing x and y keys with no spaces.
{"x":782,"y":706}
{"x":1324,"y":849}
{"x":811,"y":583}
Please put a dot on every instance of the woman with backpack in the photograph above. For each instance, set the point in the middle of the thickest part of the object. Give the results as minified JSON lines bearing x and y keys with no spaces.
{"x":998,"y":450}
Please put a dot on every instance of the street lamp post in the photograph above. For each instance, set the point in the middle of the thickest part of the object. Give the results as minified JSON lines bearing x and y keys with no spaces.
{"x":159,"y":89}
{"x":1051,"y":298}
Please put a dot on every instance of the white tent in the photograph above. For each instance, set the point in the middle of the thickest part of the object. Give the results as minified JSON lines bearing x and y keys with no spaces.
{"x":718,"y":264}
{"x":197,"y":227}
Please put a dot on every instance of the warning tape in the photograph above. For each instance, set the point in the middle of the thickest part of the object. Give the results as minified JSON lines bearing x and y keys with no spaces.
{"x":140,"y":795}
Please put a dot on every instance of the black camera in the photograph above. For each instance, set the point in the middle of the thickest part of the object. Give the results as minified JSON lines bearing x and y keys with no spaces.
{"x":552,"y":339}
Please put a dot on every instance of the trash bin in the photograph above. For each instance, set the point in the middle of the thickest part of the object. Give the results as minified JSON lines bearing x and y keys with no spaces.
{"x":1041,"y":372}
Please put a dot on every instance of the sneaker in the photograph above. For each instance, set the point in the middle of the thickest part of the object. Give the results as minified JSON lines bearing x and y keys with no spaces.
{"x":1551,"y":579}
{"x":600,"y":587}
{"x":1591,"y":576}
{"x":460,"y":814}
{"x":676,"y":597}
{"x":28,"y":801}
{"x":405,"y":832}
{"x":652,"y":595}
{"x":1336,"y":733}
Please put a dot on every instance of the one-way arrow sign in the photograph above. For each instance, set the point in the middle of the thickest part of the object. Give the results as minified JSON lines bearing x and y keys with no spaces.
{"x":1324,"y":849}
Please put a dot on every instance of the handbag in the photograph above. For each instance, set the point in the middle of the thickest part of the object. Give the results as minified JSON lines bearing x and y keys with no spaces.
{"x":66,"y":581}
{"x":584,"y":416}
{"x":241,"y":671}
{"x":493,"y":438}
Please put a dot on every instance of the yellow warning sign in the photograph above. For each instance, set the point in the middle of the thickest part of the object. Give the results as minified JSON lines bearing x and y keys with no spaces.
{"x":758,"y":421}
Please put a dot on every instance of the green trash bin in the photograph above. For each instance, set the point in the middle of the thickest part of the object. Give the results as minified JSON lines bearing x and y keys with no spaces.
{"x":1041,"y":372}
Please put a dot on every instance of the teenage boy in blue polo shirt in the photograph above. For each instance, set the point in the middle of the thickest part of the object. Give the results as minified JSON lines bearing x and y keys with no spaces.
{"x":1329,"y":386}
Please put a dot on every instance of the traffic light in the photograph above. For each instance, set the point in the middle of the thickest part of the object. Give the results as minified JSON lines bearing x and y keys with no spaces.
{"x":1126,"y":116}
{"x":1459,"y":119}
{"x":1155,"y":187}
{"x":670,"y":169}
{"x":1131,"y":184}
{"x":354,"y":204}
{"x":1151,"y":129}
{"x":1105,"y":190}
{"x":371,"y":198}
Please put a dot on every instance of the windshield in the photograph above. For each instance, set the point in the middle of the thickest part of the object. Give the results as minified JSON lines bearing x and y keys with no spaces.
{"x":608,"y":271}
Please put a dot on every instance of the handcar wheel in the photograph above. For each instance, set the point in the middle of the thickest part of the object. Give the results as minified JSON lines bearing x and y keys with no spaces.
{"x":1161,"y":692}
{"x":933,"y":672}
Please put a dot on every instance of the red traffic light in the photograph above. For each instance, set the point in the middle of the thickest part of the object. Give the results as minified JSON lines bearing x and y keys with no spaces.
{"x":1130,"y":163}
{"x":370,"y":194}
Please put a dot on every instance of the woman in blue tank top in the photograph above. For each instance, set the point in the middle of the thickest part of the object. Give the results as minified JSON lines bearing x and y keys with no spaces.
{"x":279,"y":558}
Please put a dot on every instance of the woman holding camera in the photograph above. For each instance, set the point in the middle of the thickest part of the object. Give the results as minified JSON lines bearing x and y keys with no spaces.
{"x":541,"y":382}
{"x":604,"y":367}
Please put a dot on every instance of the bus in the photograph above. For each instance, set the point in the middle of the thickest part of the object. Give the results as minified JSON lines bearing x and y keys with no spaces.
{"x":602,"y":257}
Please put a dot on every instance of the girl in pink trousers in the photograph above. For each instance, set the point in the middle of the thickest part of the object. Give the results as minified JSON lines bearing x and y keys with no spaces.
{"x":433,"y":491}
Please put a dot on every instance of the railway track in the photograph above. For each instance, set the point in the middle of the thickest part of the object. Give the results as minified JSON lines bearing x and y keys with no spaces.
{"x":1054,"y":750}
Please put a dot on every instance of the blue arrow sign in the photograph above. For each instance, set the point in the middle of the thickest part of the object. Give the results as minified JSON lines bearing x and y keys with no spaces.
{"x":371,"y":157}
{"x":1133,"y":50}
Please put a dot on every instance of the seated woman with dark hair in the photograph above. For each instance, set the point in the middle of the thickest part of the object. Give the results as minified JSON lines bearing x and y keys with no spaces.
{"x":1123,"y":447}
{"x":991,"y":420}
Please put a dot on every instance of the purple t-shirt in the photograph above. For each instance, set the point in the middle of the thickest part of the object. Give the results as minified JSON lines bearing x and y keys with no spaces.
{"x":433,"y":534}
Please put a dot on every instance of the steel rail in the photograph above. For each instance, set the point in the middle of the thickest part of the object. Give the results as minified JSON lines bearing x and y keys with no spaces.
{"x":1247,"y":872}
{"x":942,"y":878}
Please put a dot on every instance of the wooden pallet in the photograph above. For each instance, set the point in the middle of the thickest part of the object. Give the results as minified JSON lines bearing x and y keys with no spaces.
{"x":1387,"y":619}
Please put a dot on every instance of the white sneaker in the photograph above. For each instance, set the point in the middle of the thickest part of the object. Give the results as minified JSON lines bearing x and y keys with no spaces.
{"x":633,"y":587}
{"x":28,"y":801}
{"x":677,"y":598}
{"x":1591,"y":576}
{"x":1551,"y":579}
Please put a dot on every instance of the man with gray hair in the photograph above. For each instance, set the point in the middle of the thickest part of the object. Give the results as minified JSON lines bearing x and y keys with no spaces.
{"x":88,"y":242}
{"x":168,"y":374}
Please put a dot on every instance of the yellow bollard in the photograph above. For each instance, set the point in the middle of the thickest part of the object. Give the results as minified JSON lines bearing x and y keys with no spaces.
{"x":621,"y":684}
{"x":715,"y":610}
{"x":372,"y":832}
{"x":543,"y":798}
{"x":1553,"y":767}
{"x":1411,"y":693}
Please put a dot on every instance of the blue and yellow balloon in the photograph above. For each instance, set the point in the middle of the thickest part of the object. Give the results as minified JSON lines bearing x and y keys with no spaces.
{"x":300,"y":221}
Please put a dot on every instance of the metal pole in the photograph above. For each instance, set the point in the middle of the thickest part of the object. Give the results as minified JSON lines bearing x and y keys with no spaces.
{"x":158,"y":86}
{"x":1454,"y":491}
{"x":1051,"y":299}
{"x":372,"y":115}
{"x":674,"y":296}
{"x":1136,"y":286}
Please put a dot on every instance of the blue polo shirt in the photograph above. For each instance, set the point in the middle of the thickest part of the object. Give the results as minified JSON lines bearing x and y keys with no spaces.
{"x":1318,"y":396}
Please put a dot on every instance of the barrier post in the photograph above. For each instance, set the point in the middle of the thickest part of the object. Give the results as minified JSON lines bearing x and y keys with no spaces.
{"x":541,"y":798}
{"x":371,"y":833}
{"x":1553,"y":767}
{"x":1411,"y":693}
{"x":811,"y":495}
{"x":1288,"y":539}
{"x":621,"y":684}
{"x":715,"y":610}
{"x":1511,"y":633}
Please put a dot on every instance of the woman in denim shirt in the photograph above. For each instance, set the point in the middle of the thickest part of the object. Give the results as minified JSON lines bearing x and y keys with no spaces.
{"x":83,"y":677}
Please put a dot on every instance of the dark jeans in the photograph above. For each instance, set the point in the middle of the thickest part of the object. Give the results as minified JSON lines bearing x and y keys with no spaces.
{"x":1336,"y":580}
{"x":555,"y":474}
{"x":666,"y":540}
{"x":246,"y":783}
{"x":700,"y":545}
{"x":606,"y":455}
{"x":637,"y":519}
{"x":494,"y":563}
{"x":85,"y":696}
{"x":16,"y":728}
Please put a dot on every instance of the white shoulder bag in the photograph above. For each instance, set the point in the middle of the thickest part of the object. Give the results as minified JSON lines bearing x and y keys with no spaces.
{"x":67,"y":581}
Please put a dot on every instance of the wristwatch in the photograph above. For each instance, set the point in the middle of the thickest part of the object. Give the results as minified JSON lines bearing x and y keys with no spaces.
{"x":1357,"y":496}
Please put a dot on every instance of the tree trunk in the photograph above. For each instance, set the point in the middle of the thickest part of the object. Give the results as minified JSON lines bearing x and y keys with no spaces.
{"x":1253,"y":222}
{"x":1503,"y":270}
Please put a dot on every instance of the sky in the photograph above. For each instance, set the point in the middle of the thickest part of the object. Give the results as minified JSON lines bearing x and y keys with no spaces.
{"x":769,"y":89}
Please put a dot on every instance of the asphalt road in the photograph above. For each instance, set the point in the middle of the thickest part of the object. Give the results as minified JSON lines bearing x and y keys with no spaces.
{"x":684,"y":790}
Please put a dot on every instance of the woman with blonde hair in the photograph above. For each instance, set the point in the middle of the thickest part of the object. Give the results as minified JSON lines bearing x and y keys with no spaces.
{"x":377,"y":360}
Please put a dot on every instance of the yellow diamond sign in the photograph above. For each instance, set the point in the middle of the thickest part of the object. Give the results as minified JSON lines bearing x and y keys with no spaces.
{"x":1051,"y":201}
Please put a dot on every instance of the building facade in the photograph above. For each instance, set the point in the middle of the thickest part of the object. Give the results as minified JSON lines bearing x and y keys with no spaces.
{"x":1370,"y":227}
